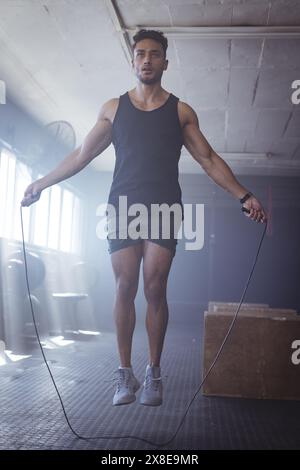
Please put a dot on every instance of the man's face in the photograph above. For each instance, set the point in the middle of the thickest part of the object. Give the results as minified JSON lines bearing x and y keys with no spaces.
{"x":148,"y":61}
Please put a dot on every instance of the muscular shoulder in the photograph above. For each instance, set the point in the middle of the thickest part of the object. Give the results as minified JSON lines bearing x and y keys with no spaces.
{"x":108,"y":110}
{"x":186,"y":114}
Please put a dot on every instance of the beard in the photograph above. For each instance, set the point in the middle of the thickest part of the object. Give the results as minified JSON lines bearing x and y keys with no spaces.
{"x":150,"y":81}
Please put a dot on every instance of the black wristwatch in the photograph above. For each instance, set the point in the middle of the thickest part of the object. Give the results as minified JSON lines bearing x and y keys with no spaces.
{"x":246,"y":197}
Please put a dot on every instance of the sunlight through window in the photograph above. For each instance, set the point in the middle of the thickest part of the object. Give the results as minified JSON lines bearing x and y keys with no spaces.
{"x":23,"y":179}
{"x":3,"y":190}
{"x":55,"y":221}
{"x":54,"y":217}
{"x":40,"y":236}
{"x":66,"y":221}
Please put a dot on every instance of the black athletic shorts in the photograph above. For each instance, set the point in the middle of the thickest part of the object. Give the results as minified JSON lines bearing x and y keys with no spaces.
{"x":118,"y":236}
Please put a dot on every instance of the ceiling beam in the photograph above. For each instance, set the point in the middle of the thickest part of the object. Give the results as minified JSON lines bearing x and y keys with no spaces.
{"x":118,"y":22}
{"x":224,"y":32}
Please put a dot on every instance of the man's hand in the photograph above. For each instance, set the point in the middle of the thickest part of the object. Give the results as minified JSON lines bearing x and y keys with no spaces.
{"x":32,"y":194}
{"x":256,"y":210}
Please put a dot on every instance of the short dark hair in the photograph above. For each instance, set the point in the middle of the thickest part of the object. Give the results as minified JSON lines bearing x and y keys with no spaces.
{"x":151,"y":34}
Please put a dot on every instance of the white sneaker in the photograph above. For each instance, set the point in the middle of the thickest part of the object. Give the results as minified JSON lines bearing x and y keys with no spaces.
{"x":127,"y":385}
{"x":153,"y":389}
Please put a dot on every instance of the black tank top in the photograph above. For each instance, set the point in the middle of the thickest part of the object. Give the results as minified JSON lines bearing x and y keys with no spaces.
{"x":147,"y":146}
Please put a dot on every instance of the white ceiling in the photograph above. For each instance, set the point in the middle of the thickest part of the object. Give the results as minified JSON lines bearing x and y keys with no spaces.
{"x":61,"y":59}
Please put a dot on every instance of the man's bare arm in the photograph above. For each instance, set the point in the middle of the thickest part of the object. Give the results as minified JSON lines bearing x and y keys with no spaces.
{"x":213,"y":164}
{"x":97,"y":140}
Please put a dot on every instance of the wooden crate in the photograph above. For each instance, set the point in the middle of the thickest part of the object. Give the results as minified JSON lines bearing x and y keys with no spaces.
{"x":214,"y":306}
{"x":261,"y":358}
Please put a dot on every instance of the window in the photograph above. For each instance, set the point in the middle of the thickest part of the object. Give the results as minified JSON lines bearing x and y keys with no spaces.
{"x":54,"y":216}
{"x":55,"y":221}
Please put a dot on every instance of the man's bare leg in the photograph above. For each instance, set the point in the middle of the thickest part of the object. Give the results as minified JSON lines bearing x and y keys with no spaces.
{"x":126,"y":267}
{"x":157,"y":262}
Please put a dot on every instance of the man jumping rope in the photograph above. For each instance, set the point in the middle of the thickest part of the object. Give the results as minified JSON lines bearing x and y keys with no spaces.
{"x":147,"y":127}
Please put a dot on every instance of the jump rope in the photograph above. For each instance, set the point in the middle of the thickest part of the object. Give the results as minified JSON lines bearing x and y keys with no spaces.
{"x":146,"y":441}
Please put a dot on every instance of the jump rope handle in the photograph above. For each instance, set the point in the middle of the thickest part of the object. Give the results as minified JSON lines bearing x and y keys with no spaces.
{"x":244,"y":199}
